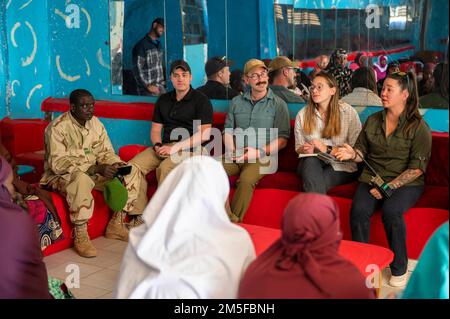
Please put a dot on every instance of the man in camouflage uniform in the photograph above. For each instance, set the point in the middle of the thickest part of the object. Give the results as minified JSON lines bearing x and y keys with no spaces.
{"x":79,"y":157}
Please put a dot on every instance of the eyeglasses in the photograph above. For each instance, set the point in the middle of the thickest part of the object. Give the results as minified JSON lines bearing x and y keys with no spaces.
{"x":319,"y":87}
{"x":256,"y":76}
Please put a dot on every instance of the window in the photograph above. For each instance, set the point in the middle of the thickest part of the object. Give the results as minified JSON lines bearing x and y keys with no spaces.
{"x":306,"y":33}
{"x":193,"y":14}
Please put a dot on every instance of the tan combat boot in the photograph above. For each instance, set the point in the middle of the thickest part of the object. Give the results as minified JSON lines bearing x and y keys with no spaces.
{"x":116,"y":227}
{"x":135,"y":221}
{"x":82,"y":244}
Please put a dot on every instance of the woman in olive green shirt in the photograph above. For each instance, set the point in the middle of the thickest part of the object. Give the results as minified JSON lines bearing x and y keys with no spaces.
{"x":396,"y":143}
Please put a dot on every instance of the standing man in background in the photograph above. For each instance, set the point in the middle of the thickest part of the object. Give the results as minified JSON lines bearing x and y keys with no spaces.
{"x":148,"y":68}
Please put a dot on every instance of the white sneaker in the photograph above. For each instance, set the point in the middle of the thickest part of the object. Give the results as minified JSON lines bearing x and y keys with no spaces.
{"x":398,"y":281}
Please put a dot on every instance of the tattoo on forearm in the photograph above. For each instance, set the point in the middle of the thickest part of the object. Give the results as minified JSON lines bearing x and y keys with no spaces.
{"x":406,"y":177}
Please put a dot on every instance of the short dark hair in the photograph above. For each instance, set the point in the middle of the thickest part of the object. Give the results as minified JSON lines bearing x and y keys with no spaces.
{"x":77,"y":94}
{"x":160,"y":21}
{"x":273,"y":74}
{"x":364,"y":77}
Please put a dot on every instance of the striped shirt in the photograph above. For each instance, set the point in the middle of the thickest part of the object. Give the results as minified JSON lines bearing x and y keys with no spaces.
{"x":350,"y":128}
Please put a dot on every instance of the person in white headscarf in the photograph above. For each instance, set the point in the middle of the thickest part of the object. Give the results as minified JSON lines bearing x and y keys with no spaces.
{"x":187,"y":247}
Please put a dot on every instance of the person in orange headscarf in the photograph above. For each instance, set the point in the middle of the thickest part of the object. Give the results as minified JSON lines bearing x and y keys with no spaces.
{"x":304,"y":262}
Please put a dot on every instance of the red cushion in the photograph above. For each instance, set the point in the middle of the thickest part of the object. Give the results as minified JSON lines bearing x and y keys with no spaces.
{"x":219,"y":119}
{"x":420,"y":225}
{"x":16,"y":135}
{"x":127,"y":152}
{"x":364,"y":255}
{"x":267,"y":208}
{"x":281,"y":180}
{"x":361,"y":255}
{"x":288,"y":158}
{"x":96,"y":226}
{"x":262,"y":237}
{"x":434,"y":197}
{"x":437,"y":169}
{"x":345,"y":190}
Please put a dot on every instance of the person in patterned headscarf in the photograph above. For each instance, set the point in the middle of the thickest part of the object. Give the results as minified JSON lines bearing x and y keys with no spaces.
{"x":338,"y":68}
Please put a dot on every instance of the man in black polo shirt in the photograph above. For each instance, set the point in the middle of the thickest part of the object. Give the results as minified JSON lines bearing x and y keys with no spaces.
{"x":218,"y":86}
{"x":186,"y":117}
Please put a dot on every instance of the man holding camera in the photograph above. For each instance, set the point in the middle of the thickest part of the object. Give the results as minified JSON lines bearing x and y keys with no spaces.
{"x":78,"y":158}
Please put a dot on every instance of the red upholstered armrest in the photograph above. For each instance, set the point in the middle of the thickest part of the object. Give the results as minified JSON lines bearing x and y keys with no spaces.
{"x":262,"y":237}
{"x":16,"y":135}
{"x":106,"y":109}
{"x":437,"y":169}
{"x":360,"y":254}
{"x":363,"y":255}
{"x":127,"y":152}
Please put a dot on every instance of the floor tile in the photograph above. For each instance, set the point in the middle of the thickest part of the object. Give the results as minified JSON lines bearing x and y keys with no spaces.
{"x":62,"y":271}
{"x":104,"y":259}
{"x":115,"y":267}
{"x":104,"y":279}
{"x":103,"y":242}
{"x":117,"y":247}
{"x":106,"y":296}
{"x":88,"y":292}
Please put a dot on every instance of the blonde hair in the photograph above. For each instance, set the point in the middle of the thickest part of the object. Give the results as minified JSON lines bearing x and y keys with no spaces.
{"x":333,"y":121}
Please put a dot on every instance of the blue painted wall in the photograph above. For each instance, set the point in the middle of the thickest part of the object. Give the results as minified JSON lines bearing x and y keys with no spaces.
{"x":68,"y":58}
{"x":28,"y":70}
{"x":217,"y":28}
{"x":83,"y":53}
{"x":3,"y":63}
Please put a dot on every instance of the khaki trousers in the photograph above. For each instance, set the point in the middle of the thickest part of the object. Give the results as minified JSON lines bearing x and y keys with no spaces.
{"x":77,"y":188}
{"x":148,"y":161}
{"x":249,"y":175}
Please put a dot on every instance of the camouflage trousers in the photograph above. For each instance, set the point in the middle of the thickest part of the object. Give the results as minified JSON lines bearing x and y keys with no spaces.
{"x":77,"y":188}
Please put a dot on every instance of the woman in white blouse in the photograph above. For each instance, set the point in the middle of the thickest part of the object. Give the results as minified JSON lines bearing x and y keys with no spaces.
{"x":324,"y":124}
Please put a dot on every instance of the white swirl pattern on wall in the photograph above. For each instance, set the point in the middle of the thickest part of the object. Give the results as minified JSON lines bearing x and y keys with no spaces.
{"x":70,"y":78}
{"x":13,"y":93}
{"x":88,"y":17}
{"x":36,"y":87}
{"x":25,"y":5}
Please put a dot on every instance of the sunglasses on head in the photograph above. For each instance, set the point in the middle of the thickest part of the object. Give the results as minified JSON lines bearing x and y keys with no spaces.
{"x":402,"y":75}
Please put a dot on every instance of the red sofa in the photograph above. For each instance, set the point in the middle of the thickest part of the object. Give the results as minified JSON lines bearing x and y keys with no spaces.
{"x":436,"y":180}
{"x":274,"y":191}
{"x":24,"y":139}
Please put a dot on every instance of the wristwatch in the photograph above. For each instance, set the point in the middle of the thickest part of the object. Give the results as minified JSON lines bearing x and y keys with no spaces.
{"x":329,"y":149}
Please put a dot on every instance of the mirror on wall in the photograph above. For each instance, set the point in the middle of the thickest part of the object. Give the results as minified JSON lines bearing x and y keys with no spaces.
{"x":196,"y":30}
